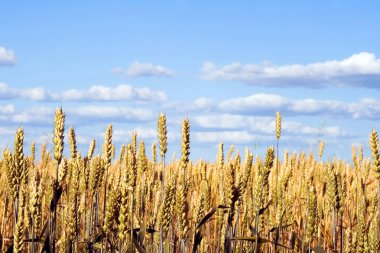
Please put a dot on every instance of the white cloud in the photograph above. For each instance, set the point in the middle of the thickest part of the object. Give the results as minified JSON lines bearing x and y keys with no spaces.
{"x":137,"y":69}
{"x":264,"y":104}
{"x":7,"y":109}
{"x":147,"y":134}
{"x":122,"y":92}
{"x":304,"y":136}
{"x":362,"y":69}
{"x":200,"y":104}
{"x":7,"y":57}
{"x":35,"y":94}
{"x":110,"y":113}
{"x":35,"y":115}
{"x":118,"y":93}
{"x":236,"y":137}
{"x":297,"y":129}
{"x":81,"y":115}
{"x":260,"y":102}
{"x":203,"y":104}
{"x":118,"y":70}
{"x":218,"y":121}
{"x":262,"y":125}
{"x":142,"y":133}
{"x":6,"y":92}
{"x":7,"y":131}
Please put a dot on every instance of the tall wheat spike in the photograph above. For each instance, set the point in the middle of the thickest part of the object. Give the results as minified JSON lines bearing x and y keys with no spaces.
{"x":182,"y":203}
{"x":58,"y":141}
{"x":163,"y":143}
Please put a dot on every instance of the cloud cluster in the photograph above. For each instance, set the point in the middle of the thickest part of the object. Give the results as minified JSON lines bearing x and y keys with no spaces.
{"x":7,"y":57}
{"x":362,"y":69}
{"x":32,"y":116}
{"x":7,"y":131}
{"x":244,"y":137}
{"x":7,"y":109}
{"x":122,"y":92}
{"x":200,"y":104}
{"x":263,"y":125}
{"x":110,"y":113}
{"x":140,"y":69}
{"x":145,"y":133}
{"x":81,"y":115}
{"x":236,"y":137}
{"x":263,"y":104}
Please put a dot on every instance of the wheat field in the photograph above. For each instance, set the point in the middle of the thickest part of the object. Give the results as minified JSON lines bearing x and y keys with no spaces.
{"x":124,"y":201}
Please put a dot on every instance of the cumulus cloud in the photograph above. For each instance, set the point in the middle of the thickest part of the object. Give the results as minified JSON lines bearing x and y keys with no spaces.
{"x":362,"y":69}
{"x":122,"y":92}
{"x":141,"y":69}
{"x":7,"y":57}
{"x":264,"y":104}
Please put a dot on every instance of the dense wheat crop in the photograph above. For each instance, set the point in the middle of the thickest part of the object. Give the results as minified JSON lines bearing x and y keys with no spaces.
{"x":122,"y":201}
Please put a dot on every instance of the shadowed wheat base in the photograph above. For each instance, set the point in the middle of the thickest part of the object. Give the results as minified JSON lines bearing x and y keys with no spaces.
{"x":239,"y":203}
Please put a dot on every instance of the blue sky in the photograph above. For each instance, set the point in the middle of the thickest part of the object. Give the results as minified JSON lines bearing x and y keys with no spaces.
{"x":228,"y":66}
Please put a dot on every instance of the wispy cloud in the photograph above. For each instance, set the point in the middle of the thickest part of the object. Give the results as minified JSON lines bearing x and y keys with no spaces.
{"x":362,"y":69}
{"x":141,"y":69}
{"x":122,"y":92}
{"x":7,"y":57}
